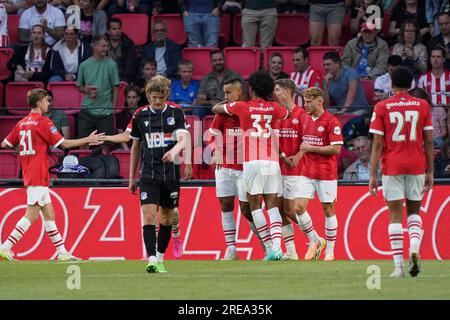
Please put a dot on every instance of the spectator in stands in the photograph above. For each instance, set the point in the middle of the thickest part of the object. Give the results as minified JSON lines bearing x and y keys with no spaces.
{"x":259,"y":16}
{"x":343,"y":86}
{"x":51,"y":18}
{"x":211,"y":87}
{"x":436,"y":82}
{"x":383,"y":84}
{"x":37,"y":61}
{"x":367,"y":53}
{"x":133,"y":95}
{"x":93,"y":21}
{"x":100,"y":4}
{"x":389,"y":5}
{"x":361,"y":12}
{"x":409,"y":10}
{"x":292,"y":6}
{"x":344,"y":159}
{"x":443,"y":38}
{"x":166,"y":6}
{"x":432,"y":10}
{"x":98,"y":79}
{"x":328,"y":13}
{"x":166,"y":52}
{"x":122,"y":51}
{"x":201,"y":22}
{"x":304,"y":76}
{"x":358,"y":126}
{"x":438,"y":117}
{"x":16,"y":6}
{"x":232,"y":7}
{"x":409,"y":47}
{"x":184,"y":91}
{"x":73,"y":52}
{"x":360,"y":169}
{"x":129,"y":6}
{"x":59,"y":117}
{"x":276,"y":65}
{"x":148,"y":71}
{"x":442,"y":162}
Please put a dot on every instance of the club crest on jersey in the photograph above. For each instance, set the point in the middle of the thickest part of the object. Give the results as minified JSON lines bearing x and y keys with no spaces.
{"x":321,"y":129}
{"x":143,"y":195}
{"x":174,"y":195}
{"x":295,"y":121}
{"x":337,"y":130}
{"x":171,"y":121}
{"x":146,"y":123}
{"x":53,"y":130}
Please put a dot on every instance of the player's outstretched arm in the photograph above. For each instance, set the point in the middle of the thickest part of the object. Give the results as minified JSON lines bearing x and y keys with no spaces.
{"x":429,"y":154}
{"x":6,"y":146}
{"x":324,"y":150}
{"x":219,"y":108}
{"x":377,"y":147}
{"x":123,"y":137}
{"x":93,"y":139}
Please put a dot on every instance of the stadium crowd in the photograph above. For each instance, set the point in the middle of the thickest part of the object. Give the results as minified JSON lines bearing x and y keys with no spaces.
{"x":364,"y":44}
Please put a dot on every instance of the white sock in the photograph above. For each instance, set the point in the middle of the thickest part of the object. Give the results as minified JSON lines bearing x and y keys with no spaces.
{"x":176,"y":225}
{"x":275,"y":227}
{"x":55,"y":236}
{"x":306,"y":225}
{"x":415,"y":232}
{"x":17,"y":234}
{"x":261,"y":226}
{"x":288,"y":236}
{"x":229,"y":230}
{"x":331,"y":226}
{"x":152,"y":259}
{"x":396,"y":239}
{"x":253,"y":228}
{"x":159,"y":256}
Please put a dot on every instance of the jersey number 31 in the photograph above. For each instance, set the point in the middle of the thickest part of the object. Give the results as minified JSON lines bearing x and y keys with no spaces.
{"x":26,"y":143}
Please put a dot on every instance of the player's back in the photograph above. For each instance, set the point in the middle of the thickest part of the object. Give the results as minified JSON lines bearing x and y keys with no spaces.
{"x":401,"y":120}
{"x":35,"y":134}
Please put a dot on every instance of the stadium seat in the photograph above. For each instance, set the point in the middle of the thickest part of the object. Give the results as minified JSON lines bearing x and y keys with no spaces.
{"x":10,"y":167}
{"x":135,"y":26}
{"x":386,"y":23}
{"x":1,"y":95}
{"x":286,"y":52}
{"x":16,"y":96}
{"x":346,"y":34}
{"x":5,"y":55}
{"x":175,"y":27}
{"x":316,"y":55}
{"x":343,"y":118}
{"x":243,"y":60}
{"x":13,"y":28}
{"x":7,"y":123}
{"x":55,"y":158}
{"x":225,"y":27}
{"x":292,"y":29}
{"x":124,"y":162}
{"x":369,"y":89}
{"x":121,"y":98}
{"x":66,"y":96}
{"x":194,"y":123}
{"x":201,"y":60}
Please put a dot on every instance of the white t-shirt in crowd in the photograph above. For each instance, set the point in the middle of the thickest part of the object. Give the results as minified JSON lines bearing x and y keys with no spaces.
{"x":54,"y":16}
{"x":384,"y":83}
{"x":4,"y":39}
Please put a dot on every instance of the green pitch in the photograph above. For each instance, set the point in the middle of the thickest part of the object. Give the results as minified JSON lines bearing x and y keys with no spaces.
{"x":220,"y":280}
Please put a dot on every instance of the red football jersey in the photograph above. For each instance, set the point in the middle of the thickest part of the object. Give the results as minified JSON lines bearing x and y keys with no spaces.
{"x":401,"y":121}
{"x":304,"y":80}
{"x":256,"y":118}
{"x":228,"y":140}
{"x":34,"y":134}
{"x":323,"y":131}
{"x":290,"y":138}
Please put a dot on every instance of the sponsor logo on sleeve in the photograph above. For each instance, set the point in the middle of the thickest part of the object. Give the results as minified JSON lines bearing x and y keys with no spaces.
{"x":53,"y":130}
{"x":337,"y":130}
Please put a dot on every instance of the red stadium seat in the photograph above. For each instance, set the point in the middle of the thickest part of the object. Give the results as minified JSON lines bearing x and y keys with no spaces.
{"x":1,"y":95}
{"x":201,"y":60}
{"x":386,"y":23}
{"x":121,"y":98}
{"x":10,"y":164}
{"x":286,"y":52}
{"x":124,"y":160}
{"x":292,"y":29}
{"x":7,"y":123}
{"x":135,"y":26}
{"x":245,"y":61}
{"x":316,"y":55}
{"x":175,"y":27}
{"x":369,"y":89}
{"x":16,"y":96}
{"x":13,"y":28}
{"x":5,"y":55}
{"x":66,"y":96}
{"x":225,"y":29}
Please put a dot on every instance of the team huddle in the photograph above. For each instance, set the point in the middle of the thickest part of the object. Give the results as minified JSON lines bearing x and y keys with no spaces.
{"x":267,"y":149}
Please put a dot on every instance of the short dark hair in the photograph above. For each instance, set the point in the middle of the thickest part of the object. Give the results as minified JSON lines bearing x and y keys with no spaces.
{"x":395,"y":60}
{"x":113,"y":20}
{"x":302,"y":50}
{"x":438,"y":48}
{"x":49,"y":93}
{"x":149,"y":61}
{"x":402,"y":78}
{"x":262,"y":84}
{"x":216,"y":51}
{"x":443,"y":13}
{"x":333,"y":56}
{"x":233,"y":80}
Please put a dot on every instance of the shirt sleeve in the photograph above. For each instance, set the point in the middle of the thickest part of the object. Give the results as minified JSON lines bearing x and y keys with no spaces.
{"x":427,"y":124}
{"x":352,"y":74}
{"x":316,"y":80}
{"x":60,"y":21}
{"x":335,"y":133}
{"x":24,"y":20}
{"x":216,"y":125}
{"x":50,"y":133}
{"x":233,"y":108}
{"x":180,"y":123}
{"x":115,"y":80}
{"x":376,"y":122}
{"x":135,"y":132}
{"x":13,"y":138}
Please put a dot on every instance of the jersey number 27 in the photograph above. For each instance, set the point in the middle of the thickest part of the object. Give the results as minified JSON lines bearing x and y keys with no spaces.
{"x":397,"y":117}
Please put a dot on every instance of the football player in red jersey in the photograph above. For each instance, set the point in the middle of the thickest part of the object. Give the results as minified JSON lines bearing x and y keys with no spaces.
{"x":261,"y":169}
{"x":401,"y":126}
{"x":322,"y":140}
{"x":33,"y":135}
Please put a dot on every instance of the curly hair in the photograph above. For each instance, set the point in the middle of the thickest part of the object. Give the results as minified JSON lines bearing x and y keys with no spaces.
{"x":312,"y":93}
{"x":262,"y":84}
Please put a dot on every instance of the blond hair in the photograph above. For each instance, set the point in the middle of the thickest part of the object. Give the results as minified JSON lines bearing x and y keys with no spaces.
{"x":34,"y":96}
{"x":158,"y":84}
{"x":312,"y":93}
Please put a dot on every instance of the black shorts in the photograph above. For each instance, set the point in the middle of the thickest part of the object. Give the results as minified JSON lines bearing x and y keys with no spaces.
{"x":162,"y":193}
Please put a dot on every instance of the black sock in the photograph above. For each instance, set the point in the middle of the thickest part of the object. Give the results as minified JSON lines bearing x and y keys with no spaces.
{"x":164,"y":237}
{"x":150,"y":239}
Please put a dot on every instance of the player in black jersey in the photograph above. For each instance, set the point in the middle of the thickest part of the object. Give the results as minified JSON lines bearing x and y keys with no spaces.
{"x":159,"y":134}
